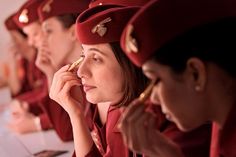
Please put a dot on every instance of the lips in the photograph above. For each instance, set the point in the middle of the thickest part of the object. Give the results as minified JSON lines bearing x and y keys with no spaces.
{"x":87,"y":88}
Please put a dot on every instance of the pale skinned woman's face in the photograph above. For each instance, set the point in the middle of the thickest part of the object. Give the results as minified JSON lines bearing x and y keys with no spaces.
{"x":101,"y":74}
{"x":34,"y":34}
{"x":58,"y":39}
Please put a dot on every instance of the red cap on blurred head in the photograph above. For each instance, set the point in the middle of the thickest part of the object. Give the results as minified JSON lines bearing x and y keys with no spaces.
{"x":27,"y":13}
{"x":94,"y":3}
{"x":49,"y":8}
{"x":10,"y":24}
{"x":160,"y":21}
{"x":103,"y":24}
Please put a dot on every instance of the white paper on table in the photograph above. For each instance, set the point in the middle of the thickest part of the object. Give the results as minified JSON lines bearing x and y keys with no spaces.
{"x":5,"y":95}
{"x":10,"y":145}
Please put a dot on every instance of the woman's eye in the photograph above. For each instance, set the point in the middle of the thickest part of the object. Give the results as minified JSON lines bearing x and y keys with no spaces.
{"x":82,"y":56}
{"x":48,"y":31}
{"x":96,"y":59}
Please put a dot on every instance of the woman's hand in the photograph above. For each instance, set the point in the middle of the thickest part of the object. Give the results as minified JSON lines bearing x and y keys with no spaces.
{"x":139,"y":130}
{"x":60,"y":90}
{"x":44,"y":61}
{"x":21,"y":120}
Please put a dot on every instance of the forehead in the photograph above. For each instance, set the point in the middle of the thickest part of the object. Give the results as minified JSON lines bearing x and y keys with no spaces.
{"x":153,"y":67}
{"x":31,"y":28}
{"x":150,"y":65}
{"x":52,"y":21}
{"x":104,"y":48}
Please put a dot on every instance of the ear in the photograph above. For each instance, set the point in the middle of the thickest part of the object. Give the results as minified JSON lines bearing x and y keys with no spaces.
{"x":72,"y":32}
{"x":197,"y":70}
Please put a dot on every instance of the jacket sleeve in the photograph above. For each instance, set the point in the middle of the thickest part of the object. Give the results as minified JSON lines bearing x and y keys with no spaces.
{"x":59,"y":119}
{"x":45,"y":123}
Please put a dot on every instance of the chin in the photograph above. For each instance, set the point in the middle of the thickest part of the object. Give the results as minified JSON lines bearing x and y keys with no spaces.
{"x":185,"y":127}
{"x":93,"y":99}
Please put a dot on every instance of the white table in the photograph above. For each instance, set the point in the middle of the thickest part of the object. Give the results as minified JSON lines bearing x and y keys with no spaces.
{"x":15,"y":145}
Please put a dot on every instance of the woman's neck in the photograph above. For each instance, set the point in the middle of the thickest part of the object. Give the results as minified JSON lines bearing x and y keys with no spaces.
{"x":31,"y":54}
{"x":222,"y":99}
{"x":103,"y":111}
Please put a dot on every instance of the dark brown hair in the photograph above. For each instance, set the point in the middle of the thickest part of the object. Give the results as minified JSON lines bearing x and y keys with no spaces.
{"x":67,"y":20}
{"x":135,"y":81}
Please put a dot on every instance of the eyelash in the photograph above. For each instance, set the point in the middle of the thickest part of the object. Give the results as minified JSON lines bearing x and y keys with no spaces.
{"x":48,"y":31}
{"x":96,"y":59}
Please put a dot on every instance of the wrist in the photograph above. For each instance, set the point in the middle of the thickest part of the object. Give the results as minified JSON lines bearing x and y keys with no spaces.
{"x":37,"y":123}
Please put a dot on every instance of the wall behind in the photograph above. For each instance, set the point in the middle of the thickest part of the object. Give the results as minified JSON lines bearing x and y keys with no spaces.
{"x":7,"y":7}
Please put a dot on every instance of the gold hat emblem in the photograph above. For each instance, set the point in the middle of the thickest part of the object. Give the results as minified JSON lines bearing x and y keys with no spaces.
{"x":131,"y":44}
{"x":23,"y":18}
{"x":100,"y":27}
{"x":47,"y":8}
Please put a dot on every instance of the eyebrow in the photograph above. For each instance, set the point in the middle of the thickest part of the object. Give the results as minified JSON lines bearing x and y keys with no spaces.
{"x":95,"y":49}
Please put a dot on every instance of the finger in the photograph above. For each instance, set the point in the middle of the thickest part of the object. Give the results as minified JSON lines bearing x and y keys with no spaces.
{"x":69,"y":84}
{"x":65,"y":77}
{"x":25,"y":106}
{"x":59,"y":79}
{"x":63,"y":69}
{"x":137,"y":133}
{"x":132,"y":107}
{"x":128,"y":116}
{"x":150,"y":137}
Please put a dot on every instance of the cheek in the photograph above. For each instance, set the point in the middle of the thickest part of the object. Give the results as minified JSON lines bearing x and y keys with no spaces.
{"x":58,"y":46}
{"x":111,"y":82}
{"x":167,"y":97}
{"x":53,"y":41}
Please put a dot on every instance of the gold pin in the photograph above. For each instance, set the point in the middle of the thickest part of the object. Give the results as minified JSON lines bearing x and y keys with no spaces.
{"x":23,"y":18}
{"x":100,"y":27}
{"x":147,"y":92}
{"x":75,"y":64}
{"x":130,"y":42}
{"x":47,"y":8}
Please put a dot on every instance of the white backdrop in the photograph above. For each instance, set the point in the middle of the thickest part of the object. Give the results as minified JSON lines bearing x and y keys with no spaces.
{"x":7,"y":7}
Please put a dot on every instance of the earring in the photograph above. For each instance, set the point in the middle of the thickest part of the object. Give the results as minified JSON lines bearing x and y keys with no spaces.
{"x":197,"y":88}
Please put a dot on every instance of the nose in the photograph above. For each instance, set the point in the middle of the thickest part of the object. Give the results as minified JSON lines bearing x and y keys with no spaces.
{"x":154,"y":98}
{"x":30,"y":41}
{"x":43,"y":42}
{"x":83,"y":70}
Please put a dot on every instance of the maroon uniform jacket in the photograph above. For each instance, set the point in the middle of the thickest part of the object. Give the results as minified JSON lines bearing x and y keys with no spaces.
{"x":223,"y":143}
{"x":108,"y":140}
{"x":34,"y":90}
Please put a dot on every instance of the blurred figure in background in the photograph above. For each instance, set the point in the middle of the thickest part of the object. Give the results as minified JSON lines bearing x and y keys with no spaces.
{"x":28,"y":115}
{"x":19,"y":56}
{"x":60,"y":47}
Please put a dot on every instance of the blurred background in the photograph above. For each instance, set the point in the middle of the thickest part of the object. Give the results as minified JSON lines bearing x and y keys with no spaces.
{"x":6,"y":7}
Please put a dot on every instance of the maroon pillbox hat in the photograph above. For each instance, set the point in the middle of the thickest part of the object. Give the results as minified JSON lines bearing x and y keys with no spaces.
{"x":160,"y":21}
{"x":103,"y":24}
{"x":27,"y":14}
{"x":49,"y":8}
{"x":10,"y":23}
{"x":94,"y":3}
